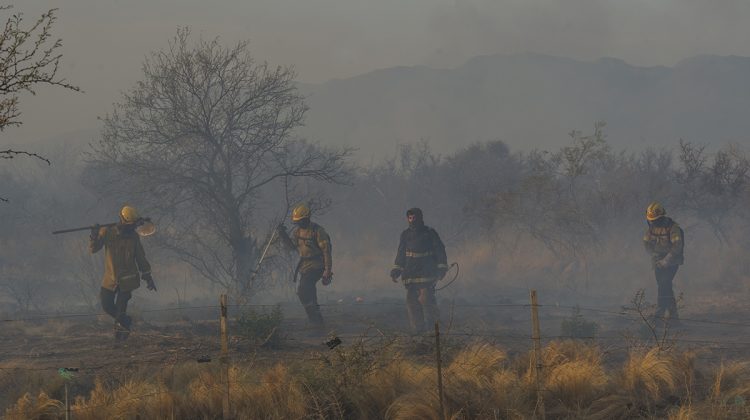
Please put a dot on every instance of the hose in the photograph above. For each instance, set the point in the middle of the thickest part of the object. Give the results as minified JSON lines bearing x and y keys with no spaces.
{"x":455,"y":264}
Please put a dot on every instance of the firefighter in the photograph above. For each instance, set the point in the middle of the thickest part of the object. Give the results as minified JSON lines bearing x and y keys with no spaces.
{"x":315,"y":263}
{"x":125,"y":265}
{"x":420,"y":262}
{"x":664,"y":241}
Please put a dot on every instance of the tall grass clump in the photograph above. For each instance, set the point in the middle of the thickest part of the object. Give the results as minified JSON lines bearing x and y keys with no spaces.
{"x":573,"y":376}
{"x":42,"y":407}
{"x":480,"y":383}
{"x":729,"y":393}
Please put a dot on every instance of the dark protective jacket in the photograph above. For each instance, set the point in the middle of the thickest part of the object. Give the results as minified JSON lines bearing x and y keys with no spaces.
{"x":421,"y":255}
{"x":313,"y":245}
{"x":665,"y":240}
{"x":124,"y":258}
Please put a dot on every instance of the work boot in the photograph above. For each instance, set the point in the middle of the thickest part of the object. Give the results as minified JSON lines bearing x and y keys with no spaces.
{"x":121,"y":334}
{"x":313,"y":314}
{"x":122,"y":327}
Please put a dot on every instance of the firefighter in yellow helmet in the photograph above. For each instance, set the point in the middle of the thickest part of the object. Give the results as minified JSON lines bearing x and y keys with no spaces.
{"x":315,"y":263}
{"x":125,"y":265}
{"x":664,"y":240}
{"x":420,"y":262}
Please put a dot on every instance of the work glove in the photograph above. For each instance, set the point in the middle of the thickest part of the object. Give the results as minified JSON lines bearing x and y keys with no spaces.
{"x":281,"y":230}
{"x":149,"y":282}
{"x":662,"y":263}
{"x":327,"y":277}
{"x":95,"y":232}
{"x":395,"y":274}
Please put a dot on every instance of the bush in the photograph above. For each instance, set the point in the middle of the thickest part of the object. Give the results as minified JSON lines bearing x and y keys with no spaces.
{"x":578,"y":327}
{"x":262,"y":327}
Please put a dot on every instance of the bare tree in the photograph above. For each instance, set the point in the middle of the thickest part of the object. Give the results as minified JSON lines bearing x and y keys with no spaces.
{"x":204,"y":134}
{"x":29,"y":57}
{"x":714,"y":190}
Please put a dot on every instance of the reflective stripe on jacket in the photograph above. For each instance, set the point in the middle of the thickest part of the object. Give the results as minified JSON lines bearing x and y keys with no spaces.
{"x":420,"y":254}
{"x":665,"y":240}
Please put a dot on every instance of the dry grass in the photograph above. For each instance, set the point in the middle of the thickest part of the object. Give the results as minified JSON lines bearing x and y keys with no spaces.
{"x":729,"y":394}
{"x":41,"y":407}
{"x":417,"y":405}
{"x":650,"y":374}
{"x":684,"y":413}
{"x":383,"y":387}
{"x":480,"y":382}
{"x":573,"y":376}
{"x":147,"y":399}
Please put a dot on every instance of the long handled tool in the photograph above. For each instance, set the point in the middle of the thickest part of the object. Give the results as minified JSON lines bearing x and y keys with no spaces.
{"x":145,"y":227}
{"x":262,"y":256}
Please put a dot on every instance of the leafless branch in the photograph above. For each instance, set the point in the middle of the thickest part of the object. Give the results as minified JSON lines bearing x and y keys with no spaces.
{"x":204,"y":134}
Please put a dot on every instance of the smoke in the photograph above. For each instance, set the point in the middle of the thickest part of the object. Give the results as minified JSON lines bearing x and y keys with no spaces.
{"x":640,"y":32}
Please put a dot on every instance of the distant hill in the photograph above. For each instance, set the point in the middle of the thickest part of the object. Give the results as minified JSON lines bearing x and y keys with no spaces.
{"x":532,"y":100}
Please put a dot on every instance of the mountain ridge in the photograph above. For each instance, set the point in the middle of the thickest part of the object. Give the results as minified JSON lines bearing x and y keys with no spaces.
{"x":533,"y":100}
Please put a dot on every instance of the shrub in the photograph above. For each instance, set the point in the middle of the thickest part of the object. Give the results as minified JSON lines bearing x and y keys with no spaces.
{"x":576,"y":326}
{"x":262,"y":327}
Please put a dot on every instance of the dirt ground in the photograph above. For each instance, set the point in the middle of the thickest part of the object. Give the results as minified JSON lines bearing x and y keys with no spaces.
{"x":161,"y":336}
{"x":715,"y":330}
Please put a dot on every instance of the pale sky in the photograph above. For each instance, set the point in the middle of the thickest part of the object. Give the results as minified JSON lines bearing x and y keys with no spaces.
{"x":105,"y":41}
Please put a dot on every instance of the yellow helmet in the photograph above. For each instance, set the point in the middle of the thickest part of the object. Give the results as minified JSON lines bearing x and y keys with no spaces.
{"x":129,"y":214}
{"x":654,"y":211}
{"x":300,"y":212}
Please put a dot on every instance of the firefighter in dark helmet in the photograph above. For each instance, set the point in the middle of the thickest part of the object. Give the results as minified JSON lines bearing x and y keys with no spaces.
{"x":125,"y":265}
{"x":420,"y":262}
{"x":664,"y":241}
{"x":314,"y":247}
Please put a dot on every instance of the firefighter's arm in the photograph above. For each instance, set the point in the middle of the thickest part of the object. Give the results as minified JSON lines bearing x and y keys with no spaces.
{"x":143,"y":265}
{"x":324,"y":243}
{"x":647,"y":242}
{"x":400,"y":262}
{"x":677,"y":240}
{"x":286,"y":241}
{"x":97,"y":239}
{"x":438,"y":250}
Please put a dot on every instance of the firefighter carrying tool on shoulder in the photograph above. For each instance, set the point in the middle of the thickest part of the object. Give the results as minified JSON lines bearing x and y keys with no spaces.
{"x":125,"y":265}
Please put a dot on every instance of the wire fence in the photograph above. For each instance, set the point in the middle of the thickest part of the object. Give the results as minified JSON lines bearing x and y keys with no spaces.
{"x":734,"y":343}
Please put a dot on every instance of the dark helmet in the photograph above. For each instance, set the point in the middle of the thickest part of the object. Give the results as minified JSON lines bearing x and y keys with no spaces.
{"x":416,"y":212}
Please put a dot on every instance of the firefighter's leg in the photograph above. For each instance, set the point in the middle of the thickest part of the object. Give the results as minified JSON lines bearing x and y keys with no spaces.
{"x":414,"y":308}
{"x":666,"y":301}
{"x":308,"y":296}
{"x":122,"y":321}
{"x":672,"y":302}
{"x":429,"y":304}
{"x":107,"y":299}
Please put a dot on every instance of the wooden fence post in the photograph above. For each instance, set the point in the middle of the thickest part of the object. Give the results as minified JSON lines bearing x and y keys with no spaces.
{"x":439,"y":368}
{"x":224,"y":357}
{"x":537,"y":338}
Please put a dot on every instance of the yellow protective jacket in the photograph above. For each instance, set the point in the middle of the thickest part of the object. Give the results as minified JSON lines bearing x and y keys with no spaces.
{"x":124,"y":257}
{"x":313,"y":245}
{"x":664,"y":240}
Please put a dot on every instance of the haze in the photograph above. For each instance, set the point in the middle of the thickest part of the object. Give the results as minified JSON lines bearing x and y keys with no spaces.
{"x":105,"y":41}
